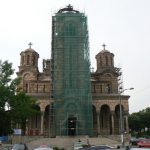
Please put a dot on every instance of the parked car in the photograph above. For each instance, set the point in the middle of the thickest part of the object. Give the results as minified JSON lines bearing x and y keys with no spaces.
{"x":135,"y":148}
{"x":44,"y":147}
{"x":134,"y":140}
{"x":77,"y":145}
{"x":19,"y":146}
{"x":144,"y":143}
{"x":98,"y":147}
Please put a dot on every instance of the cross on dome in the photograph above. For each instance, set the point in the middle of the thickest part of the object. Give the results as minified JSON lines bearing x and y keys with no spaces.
{"x":69,"y":7}
{"x":104,"y":45}
{"x":30,"y":44}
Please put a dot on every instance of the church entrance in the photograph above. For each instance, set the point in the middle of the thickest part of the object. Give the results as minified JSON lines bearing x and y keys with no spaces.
{"x":72,"y":126}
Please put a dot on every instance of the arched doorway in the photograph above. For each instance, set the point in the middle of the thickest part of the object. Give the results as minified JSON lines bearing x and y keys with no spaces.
{"x":105,"y":120}
{"x":72,"y":125}
{"x":35,"y":123}
{"x":48,"y":120}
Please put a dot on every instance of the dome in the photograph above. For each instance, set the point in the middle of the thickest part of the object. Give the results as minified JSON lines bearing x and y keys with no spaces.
{"x":104,"y":51}
{"x":30,"y":50}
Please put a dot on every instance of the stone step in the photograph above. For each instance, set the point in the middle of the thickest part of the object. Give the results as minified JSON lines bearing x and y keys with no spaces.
{"x":67,"y":142}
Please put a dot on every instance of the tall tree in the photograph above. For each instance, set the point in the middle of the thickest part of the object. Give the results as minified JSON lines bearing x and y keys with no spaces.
{"x":7,"y":91}
{"x":14,"y":107}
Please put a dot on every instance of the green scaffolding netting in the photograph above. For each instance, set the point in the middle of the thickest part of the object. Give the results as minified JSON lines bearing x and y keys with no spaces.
{"x":71,"y":75}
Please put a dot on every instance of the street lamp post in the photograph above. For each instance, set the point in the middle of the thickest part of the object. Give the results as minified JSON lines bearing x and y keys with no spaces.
{"x":121,"y":119}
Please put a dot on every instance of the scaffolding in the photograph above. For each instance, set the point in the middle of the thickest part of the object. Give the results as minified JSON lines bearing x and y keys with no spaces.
{"x":71,"y":87}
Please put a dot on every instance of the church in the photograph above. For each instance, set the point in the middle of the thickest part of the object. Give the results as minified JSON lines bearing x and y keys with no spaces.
{"x":73,"y":100}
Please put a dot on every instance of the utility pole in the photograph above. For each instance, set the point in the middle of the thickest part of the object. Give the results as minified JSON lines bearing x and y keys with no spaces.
{"x":121,"y":117}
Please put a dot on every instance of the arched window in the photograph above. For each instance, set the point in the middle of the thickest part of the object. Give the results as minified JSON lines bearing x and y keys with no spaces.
{"x":26,"y":88}
{"x":106,"y":60}
{"x":22,"y":60}
{"x":33,"y":60}
{"x":69,"y":29}
{"x":111,"y":61}
{"x":28,"y":59}
{"x":100,"y":61}
{"x":109,"y":88}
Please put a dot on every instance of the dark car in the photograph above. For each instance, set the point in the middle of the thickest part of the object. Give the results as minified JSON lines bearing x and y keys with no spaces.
{"x":19,"y":146}
{"x":98,"y":147}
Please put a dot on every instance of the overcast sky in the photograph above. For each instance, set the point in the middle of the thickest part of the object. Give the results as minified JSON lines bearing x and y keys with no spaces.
{"x":123,"y":25}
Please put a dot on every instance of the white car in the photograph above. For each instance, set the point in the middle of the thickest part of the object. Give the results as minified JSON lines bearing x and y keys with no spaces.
{"x":77,"y":145}
{"x":43,"y":147}
{"x":19,"y":146}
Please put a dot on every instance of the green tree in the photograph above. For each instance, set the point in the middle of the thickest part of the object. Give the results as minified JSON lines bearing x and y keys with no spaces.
{"x":145,"y":120}
{"x":7,"y":91}
{"x":139,"y":122}
{"x":134,"y":122}
{"x":22,"y":108}
{"x":14,"y":107}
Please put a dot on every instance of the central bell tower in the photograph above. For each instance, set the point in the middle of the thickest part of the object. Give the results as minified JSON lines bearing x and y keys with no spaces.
{"x":71,"y":73}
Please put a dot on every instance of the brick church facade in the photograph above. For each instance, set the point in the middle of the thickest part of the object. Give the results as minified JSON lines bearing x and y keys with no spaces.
{"x":104,"y":87}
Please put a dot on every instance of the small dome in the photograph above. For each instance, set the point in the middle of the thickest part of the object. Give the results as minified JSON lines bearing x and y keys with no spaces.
{"x":104,"y":51}
{"x":30,"y":50}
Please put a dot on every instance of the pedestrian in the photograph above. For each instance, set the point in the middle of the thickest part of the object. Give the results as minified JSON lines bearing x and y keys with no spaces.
{"x":0,"y":144}
{"x":88,"y":143}
{"x":118,"y":147}
{"x":127,"y":148}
